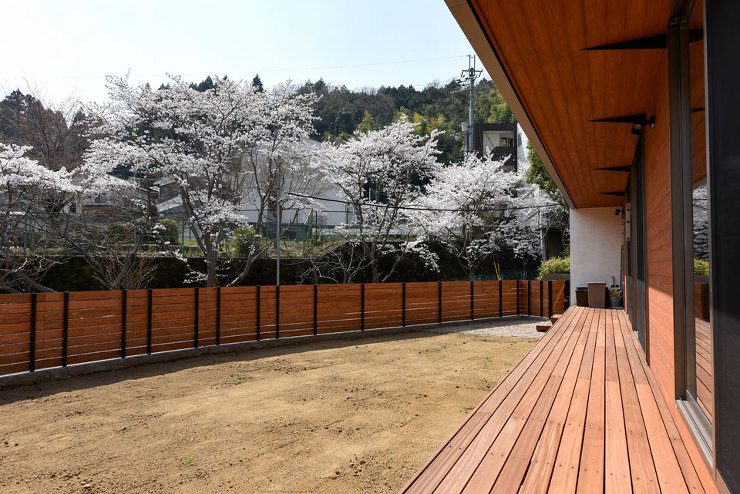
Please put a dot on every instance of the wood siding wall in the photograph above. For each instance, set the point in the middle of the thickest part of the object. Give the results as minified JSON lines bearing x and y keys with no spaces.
{"x":659,"y":260}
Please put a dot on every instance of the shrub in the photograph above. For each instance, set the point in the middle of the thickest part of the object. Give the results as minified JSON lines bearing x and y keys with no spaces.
{"x":701,"y":267}
{"x":171,"y":231}
{"x":243,"y":240}
{"x":554,"y":265}
{"x":121,"y":232}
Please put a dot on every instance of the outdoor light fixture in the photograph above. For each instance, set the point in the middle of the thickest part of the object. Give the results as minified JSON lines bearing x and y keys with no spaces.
{"x":640,"y":124}
{"x":638,"y":121}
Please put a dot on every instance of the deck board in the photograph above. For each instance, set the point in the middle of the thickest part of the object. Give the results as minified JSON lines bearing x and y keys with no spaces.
{"x":581,"y":412}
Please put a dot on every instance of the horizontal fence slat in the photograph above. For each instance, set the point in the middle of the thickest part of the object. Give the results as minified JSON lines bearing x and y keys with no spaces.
{"x":96,"y":328}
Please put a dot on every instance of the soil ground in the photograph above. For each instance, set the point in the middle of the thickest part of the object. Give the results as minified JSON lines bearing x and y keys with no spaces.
{"x":343,"y":416}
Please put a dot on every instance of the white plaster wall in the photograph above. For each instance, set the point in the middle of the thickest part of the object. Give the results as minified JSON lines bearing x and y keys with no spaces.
{"x":521,"y":151}
{"x":595,"y":247}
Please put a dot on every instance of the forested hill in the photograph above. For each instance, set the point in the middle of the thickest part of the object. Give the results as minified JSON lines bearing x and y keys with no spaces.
{"x":341,"y":111}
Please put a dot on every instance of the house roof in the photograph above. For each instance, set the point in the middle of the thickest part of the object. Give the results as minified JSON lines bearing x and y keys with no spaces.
{"x":535,"y":52}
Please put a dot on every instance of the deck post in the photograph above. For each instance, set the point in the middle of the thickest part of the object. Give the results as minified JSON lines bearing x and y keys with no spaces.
{"x":124,"y":304}
{"x":149,"y":322}
{"x":65,"y":330}
{"x":197,"y":317}
{"x":32,"y":334}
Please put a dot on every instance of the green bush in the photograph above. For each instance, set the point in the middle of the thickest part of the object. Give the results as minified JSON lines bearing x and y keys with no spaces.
{"x":701,"y":267}
{"x":243,"y":240}
{"x":554,"y":265}
{"x":171,"y":232}
{"x":121,"y":232}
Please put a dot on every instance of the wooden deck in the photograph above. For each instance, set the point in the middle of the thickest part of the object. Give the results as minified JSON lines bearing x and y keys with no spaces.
{"x":580,"y":413}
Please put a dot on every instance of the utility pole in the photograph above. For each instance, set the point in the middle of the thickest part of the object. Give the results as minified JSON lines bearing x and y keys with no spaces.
{"x":277,"y":237}
{"x":470,"y":75}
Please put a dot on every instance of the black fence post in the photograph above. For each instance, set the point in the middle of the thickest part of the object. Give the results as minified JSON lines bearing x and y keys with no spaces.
{"x":32,"y":334}
{"x":566,"y":295}
{"x":218,"y":315}
{"x":472,"y":300}
{"x":549,"y":298}
{"x":197,"y":317}
{"x":277,"y":312}
{"x":518,"y":288}
{"x":149,"y":322}
{"x":124,"y":309}
{"x":500,"y":298}
{"x":65,"y":329}
{"x":403,"y":304}
{"x":440,"y":302}
{"x":362,"y":307}
{"x":315,"y":310}
{"x":529,"y":298}
{"x":259,"y":312}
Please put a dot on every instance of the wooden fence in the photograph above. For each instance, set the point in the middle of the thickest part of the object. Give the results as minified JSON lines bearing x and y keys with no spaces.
{"x":45,"y":330}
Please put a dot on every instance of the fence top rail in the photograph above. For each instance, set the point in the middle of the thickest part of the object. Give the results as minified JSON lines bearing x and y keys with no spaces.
{"x":92,"y":295}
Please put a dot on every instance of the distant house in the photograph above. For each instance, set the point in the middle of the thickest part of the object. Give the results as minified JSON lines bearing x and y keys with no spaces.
{"x":111,"y":205}
{"x":503,"y":141}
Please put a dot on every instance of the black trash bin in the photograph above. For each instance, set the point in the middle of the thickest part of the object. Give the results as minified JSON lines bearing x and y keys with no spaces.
{"x":582,"y":296}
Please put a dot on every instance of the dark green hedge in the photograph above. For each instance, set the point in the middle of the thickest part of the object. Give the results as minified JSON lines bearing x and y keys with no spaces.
{"x":75,"y":275}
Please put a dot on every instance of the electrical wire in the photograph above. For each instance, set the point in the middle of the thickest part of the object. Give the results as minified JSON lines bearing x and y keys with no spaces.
{"x":416,"y":208}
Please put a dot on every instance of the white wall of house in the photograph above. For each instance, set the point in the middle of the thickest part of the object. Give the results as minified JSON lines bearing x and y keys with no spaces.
{"x":330,"y":213}
{"x":521,"y":150}
{"x":595,"y":247}
{"x":492,"y":138}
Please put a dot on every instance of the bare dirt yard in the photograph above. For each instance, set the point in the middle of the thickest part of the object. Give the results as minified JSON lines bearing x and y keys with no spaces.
{"x":344,"y":416}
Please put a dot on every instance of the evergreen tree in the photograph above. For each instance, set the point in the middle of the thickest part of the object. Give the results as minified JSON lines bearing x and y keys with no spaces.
{"x":257,"y":82}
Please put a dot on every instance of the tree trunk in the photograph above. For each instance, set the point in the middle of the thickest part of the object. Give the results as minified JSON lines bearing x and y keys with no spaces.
{"x":211,"y":263}
{"x":374,"y":263}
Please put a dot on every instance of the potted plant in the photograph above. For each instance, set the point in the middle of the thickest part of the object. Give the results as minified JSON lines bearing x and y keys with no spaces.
{"x":615,"y":297}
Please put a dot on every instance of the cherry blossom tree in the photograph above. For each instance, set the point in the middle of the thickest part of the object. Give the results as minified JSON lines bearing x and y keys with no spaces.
{"x":24,"y":184}
{"x":477,"y":208}
{"x":380,"y":172}
{"x":109,"y":236}
{"x":209,"y":142}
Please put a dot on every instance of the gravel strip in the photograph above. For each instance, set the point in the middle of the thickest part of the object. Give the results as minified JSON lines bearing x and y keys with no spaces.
{"x":517,"y":327}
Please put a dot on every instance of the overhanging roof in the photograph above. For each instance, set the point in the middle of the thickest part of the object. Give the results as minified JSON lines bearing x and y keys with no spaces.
{"x":534,"y":51}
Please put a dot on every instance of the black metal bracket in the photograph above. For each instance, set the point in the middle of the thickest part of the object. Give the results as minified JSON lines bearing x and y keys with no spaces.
{"x":624,"y":169}
{"x":657,"y":42}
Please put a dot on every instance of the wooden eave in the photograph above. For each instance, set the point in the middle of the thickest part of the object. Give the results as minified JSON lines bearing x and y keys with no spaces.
{"x":537,"y":52}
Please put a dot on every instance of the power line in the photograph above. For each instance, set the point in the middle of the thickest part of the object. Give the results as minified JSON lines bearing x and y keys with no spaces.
{"x":416,"y":208}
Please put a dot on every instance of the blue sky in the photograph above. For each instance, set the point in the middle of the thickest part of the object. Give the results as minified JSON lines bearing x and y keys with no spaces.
{"x":61,"y":48}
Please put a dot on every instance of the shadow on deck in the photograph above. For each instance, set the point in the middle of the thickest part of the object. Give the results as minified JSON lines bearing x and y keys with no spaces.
{"x":580,"y":413}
